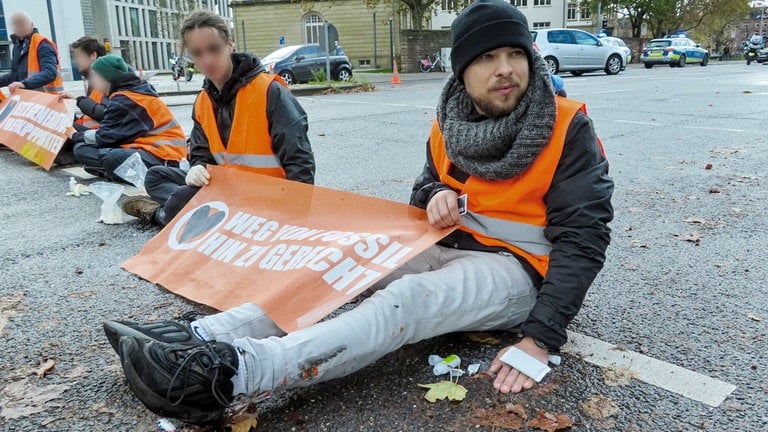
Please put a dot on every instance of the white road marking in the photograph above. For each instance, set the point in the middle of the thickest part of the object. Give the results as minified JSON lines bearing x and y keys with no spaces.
{"x":714,"y":128}
{"x":676,"y":379}
{"x":640,"y":122}
{"x":612,"y":91}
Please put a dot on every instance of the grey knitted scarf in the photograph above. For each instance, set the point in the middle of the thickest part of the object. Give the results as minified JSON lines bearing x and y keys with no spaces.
{"x":497,"y":148}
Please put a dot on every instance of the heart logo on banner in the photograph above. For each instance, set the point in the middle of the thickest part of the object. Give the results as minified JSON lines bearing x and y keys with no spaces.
{"x":200,"y":222}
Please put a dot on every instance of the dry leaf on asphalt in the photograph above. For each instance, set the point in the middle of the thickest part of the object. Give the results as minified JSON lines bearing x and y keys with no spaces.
{"x":599,"y":407}
{"x":46,"y":367}
{"x":484,"y":338}
{"x":754,"y":317}
{"x":27,"y":397}
{"x":694,"y":238}
{"x":245,"y":422}
{"x":517,"y":409}
{"x":550,"y":422}
{"x":617,"y":377}
{"x":444,"y":390}
{"x":638,"y":244}
{"x":8,"y":308}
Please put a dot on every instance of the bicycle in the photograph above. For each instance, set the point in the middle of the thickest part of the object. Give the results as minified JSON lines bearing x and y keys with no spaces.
{"x":429,"y":63}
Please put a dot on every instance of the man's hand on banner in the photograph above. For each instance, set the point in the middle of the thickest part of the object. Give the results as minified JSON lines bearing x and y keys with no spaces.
{"x":70,"y":131}
{"x":12,"y":87}
{"x":66,"y":95}
{"x":198,"y":176}
{"x":443,"y":209}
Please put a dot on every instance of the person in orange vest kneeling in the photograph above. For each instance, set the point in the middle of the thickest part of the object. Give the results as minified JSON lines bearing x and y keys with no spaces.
{"x":245,"y":118}
{"x":135,"y":121}
{"x":86,"y":50}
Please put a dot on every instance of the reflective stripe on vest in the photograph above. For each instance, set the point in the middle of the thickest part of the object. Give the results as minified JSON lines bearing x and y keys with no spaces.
{"x":249,"y":146}
{"x":166,"y":140}
{"x":33,"y":64}
{"x":511,"y":213}
{"x":87,"y":121}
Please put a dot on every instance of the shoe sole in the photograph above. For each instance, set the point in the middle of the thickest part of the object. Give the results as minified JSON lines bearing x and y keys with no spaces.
{"x":150,"y":399}
{"x":115,"y":330}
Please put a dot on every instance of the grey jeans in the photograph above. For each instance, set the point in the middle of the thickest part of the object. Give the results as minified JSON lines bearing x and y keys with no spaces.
{"x":440,"y":291}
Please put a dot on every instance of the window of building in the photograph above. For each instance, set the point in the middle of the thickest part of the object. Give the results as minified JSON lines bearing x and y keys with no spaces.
{"x":448,"y":5}
{"x":572,"y":8}
{"x":153,"y":30}
{"x":135,"y":28}
{"x":542,"y":2}
{"x":119,"y":19}
{"x":586,"y":13}
{"x":542,"y":25}
{"x":313,"y":25}
{"x":521,"y":3}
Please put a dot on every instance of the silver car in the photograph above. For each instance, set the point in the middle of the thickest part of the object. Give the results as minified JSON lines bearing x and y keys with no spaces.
{"x":614,"y":41}
{"x":577,"y":52}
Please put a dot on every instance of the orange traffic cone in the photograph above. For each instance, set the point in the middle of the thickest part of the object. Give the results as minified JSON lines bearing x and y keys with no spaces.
{"x":395,"y":75}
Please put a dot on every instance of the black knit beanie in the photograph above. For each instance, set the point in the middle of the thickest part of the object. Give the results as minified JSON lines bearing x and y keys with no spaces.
{"x":484,"y":26}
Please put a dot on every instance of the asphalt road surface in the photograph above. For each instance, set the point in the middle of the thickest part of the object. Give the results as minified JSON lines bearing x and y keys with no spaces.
{"x":684,"y":283}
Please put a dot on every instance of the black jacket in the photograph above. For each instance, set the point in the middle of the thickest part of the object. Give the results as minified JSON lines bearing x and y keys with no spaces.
{"x":578,"y":211}
{"x":124,"y":120}
{"x":90,"y":107}
{"x":287,"y":121}
{"x":47,"y":57}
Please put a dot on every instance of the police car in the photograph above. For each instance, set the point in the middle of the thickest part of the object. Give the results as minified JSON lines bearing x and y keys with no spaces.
{"x":675,"y":51}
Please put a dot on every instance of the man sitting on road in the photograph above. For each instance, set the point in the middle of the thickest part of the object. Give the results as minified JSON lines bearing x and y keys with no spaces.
{"x":92,"y":106}
{"x":244,"y":118}
{"x":135,"y":121}
{"x":529,"y":246}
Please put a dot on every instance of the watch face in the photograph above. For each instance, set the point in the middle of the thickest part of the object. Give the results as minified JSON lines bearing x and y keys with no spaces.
{"x":540,"y":344}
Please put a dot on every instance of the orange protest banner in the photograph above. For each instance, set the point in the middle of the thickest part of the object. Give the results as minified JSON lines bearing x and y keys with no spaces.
{"x":34,"y":125}
{"x":298,"y":251}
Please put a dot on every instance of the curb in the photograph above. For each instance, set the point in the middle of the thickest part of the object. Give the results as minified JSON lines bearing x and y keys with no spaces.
{"x":296,"y":91}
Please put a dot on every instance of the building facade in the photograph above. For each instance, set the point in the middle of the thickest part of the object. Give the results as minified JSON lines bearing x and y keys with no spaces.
{"x":540,"y":14}
{"x":262,"y":26}
{"x":145,"y":32}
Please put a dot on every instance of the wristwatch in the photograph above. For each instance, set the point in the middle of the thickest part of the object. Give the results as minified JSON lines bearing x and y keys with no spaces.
{"x":540,"y":344}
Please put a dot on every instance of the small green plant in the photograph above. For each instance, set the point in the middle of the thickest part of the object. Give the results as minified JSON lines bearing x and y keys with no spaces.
{"x":319,"y":76}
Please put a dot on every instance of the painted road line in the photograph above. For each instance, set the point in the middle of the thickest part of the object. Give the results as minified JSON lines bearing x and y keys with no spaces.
{"x":612,"y":91}
{"x":676,"y":379}
{"x":714,"y":128}
{"x":640,"y":122}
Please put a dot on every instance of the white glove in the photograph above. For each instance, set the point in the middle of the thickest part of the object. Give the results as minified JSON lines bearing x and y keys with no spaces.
{"x":198,"y":176}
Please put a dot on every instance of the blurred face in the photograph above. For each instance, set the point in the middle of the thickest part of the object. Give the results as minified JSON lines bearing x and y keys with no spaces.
{"x":98,"y":83}
{"x":497,"y":80}
{"x":22,"y":27}
{"x":210,"y":52}
{"x":83,"y":60}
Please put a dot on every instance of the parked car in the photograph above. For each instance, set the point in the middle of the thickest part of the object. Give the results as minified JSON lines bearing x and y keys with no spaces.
{"x":295,"y":63}
{"x":674,"y":51}
{"x":762,"y":56}
{"x":614,"y":41}
{"x":577,"y":52}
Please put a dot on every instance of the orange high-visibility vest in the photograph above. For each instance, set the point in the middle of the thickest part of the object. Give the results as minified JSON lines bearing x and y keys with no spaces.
{"x":249,"y":146}
{"x":511,"y":213}
{"x":166,"y":140}
{"x":33,"y":64}
{"x":86,"y":121}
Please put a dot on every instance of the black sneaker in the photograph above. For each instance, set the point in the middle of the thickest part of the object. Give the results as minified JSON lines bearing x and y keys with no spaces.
{"x":163,"y":331}
{"x":190,"y":383}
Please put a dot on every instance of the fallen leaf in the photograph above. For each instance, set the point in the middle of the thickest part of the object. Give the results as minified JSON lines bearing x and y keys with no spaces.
{"x":444,"y":390}
{"x":695,"y":220}
{"x":638,"y":244}
{"x":631,"y":266}
{"x":484,"y":338}
{"x":754,"y":317}
{"x":321,"y":134}
{"x":617,"y":377}
{"x":46,"y":367}
{"x":747,"y":91}
{"x":78,"y":271}
{"x":714,"y":190}
{"x":245,"y":422}
{"x":694,"y":238}
{"x":8,"y":308}
{"x":550,"y":422}
{"x":517,"y":409}
{"x":708,"y":166}
{"x":24,"y":398}
{"x":599,"y":407}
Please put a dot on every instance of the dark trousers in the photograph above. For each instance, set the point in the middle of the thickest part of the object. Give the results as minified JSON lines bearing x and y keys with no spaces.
{"x":167,"y":186}
{"x":108,"y":159}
